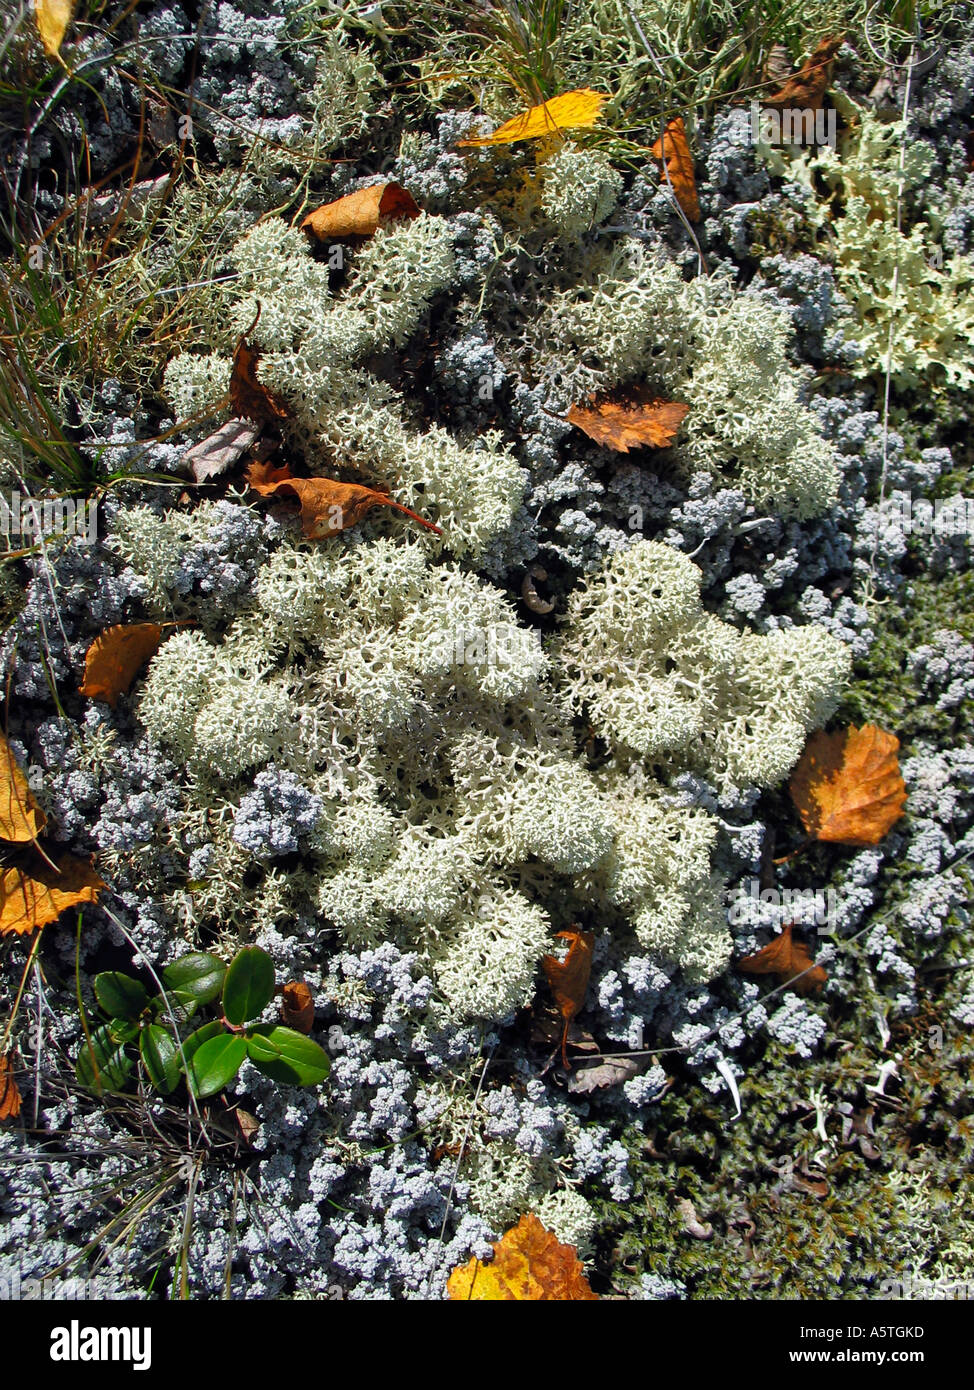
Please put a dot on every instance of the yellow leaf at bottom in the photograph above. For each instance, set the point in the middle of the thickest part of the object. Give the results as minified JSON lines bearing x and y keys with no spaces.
{"x":529,"y":1264}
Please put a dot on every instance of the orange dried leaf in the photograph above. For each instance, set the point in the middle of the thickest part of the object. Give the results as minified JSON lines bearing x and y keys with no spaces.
{"x":790,"y":960}
{"x":327,"y":506}
{"x":250,"y":398}
{"x":30,"y":900}
{"x":359,"y":214}
{"x":9,"y":1091}
{"x":806,"y":88}
{"x":568,"y":978}
{"x":21,"y":819}
{"x":115,"y":657}
{"x":630,"y":420}
{"x":297,"y":1006}
{"x":673,"y":151}
{"x":570,"y":111}
{"x":847,"y":786}
{"x":529,"y":1264}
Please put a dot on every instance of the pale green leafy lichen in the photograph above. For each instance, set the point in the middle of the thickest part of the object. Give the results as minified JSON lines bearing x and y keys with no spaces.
{"x":913,"y":309}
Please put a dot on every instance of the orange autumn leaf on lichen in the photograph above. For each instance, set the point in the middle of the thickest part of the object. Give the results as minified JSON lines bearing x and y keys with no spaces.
{"x":297,"y":1006}
{"x":529,"y":1265}
{"x":848,"y":787}
{"x":250,"y":398}
{"x":359,"y":213}
{"x":21,"y":819}
{"x":630,"y":420}
{"x":806,"y":88}
{"x":568,"y":978}
{"x":115,"y":657}
{"x":790,"y":960}
{"x":673,"y":152}
{"x":30,"y":900}
{"x":9,"y":1091}
{"x":327,"y":506}
{"x":570,"y":111}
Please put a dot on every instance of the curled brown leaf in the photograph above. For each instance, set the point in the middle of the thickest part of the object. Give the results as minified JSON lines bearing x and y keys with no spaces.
{"x":250,"y":399}
{"x":327,"y":506}
{"x":568,"y":978}
{"x":788,"y":958}
{"x":297,"y":1006}
{"x":359,"y":213}
{"x":673,"y":153}
{"x":806,"y":88}
{"x":9,"y":1091}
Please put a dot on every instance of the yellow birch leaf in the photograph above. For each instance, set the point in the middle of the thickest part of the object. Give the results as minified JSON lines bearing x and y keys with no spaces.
{"x":53,"y":18}
{"x":32,"y":900}
{"x":570,"y":111}
{"x":529,"y":1265}
{"x":21,"y":819}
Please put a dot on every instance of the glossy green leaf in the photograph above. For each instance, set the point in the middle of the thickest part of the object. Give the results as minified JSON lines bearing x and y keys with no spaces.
{"x":196,"y":975}
{"x":160,"y":1056}
{"x":215,"y":1062}
{"x":179,"y":1005}
{"x":122,"y":1030}
{"x":195,"y":1041}
{"x":120,"y":995}
{"x":103,"y":1065}
{"x":287,"y":1056}
{"x":249,"y":985}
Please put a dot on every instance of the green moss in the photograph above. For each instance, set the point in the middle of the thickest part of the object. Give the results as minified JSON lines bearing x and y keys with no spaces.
{"x":793,"y":1216}
{"x":880,"y":691}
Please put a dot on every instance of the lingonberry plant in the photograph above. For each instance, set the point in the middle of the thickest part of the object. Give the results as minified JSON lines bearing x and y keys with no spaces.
{"x":149,"y":1029}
